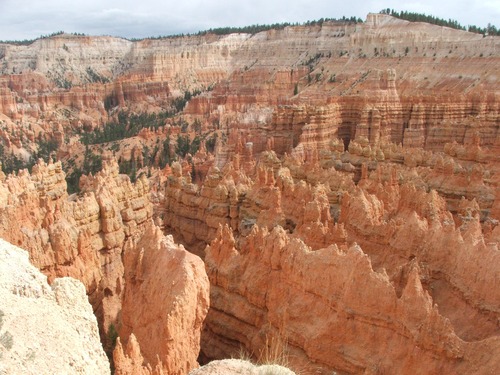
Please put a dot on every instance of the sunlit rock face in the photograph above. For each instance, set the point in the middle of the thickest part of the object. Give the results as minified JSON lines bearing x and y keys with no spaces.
{"x":45,"y":328}
{"x":348,"y":206}
{"x":82,"y":237}
{"x":385,"y":79}
{"x":105,"y":237}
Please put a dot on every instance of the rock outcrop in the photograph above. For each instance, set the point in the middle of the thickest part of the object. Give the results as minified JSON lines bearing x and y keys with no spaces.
{"x":45,"y":328}
{"x":195,"y":214}
{"x":304,"y":253}
{"x":385,"y":79}
{"x":238,"y":366}
{"x":165,"y":301}
{"x":332,"y":308}
{"x":348,"y":192}
{"x":81,"y":237}
{"x":138,"y":281}
{"x":128,"y":360}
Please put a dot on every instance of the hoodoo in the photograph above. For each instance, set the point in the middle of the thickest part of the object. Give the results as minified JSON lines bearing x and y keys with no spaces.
{"x":323,"y":196}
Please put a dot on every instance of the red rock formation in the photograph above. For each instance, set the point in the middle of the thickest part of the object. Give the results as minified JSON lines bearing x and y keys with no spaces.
{"x":417,"y":258}
{"x":334,"y":310}
{"x":129,"y":360}
{"x":195,"y":214}
{"x":449,"y":253}
{"x":98,"y":238}
{"x":82,"y":238}
{"x":355,"y":176}
{"x":335,"y":64}
{"x":167,"y":321}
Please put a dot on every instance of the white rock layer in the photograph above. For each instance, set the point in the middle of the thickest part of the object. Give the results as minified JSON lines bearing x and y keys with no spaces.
{"x":45,"y":329}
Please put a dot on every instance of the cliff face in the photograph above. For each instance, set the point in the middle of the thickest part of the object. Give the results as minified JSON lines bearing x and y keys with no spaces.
{"x":45,"y":329}
{"x":271,"y":283}
{"x":388,"y":80}
{"x":271,"y":194}
{"x":377,"y":260}
{"x":82,"y":237}
{"x":361,"y":323}
{"x":165,"y":301}
{"x":105,"y":238}
{"x":350,"y":203}
{"x":195,"y":214}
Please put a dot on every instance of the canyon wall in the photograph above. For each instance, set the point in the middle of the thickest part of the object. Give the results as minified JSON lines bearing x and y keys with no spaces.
{"x":305,"y":255}
{"x":335,"y":312}
{"x":348,"y":208}
{"x":385,"y":79}
{"x":105,"y":237}
{"x":165,"y":301}
{"x":81,"y":237}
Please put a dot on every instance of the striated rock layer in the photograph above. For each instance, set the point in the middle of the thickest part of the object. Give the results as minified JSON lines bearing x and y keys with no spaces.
{"x":81,"y":237}
{"x":334,"y":310}
{"x":128,"y":360}
{"x":165,"y":301}
{"x":350,"y":203}
{"x":45,"y":329}
{"x":375,"y":276}
{"x":385,"y":79}
{"x":105,"y":237}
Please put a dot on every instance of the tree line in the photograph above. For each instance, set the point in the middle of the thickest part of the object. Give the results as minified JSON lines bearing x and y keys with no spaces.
{"x":421,"y":17}
{"x":27,"y":42}
{"x":254,"y":29}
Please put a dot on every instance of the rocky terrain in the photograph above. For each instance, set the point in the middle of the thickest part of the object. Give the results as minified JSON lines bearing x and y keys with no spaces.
{"x":45,"y":328}
{"x":329,"y":192}
{"x":237,"y":366}
{"x":105,"y":237}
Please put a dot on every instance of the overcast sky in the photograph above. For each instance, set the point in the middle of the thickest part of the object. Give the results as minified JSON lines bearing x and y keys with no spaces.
{"x":28,"y":19}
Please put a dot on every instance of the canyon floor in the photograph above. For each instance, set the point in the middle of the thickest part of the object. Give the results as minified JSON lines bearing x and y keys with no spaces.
{"x":324,"y":197}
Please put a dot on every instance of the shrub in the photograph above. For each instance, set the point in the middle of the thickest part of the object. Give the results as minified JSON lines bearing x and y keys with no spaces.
{"x":7,"y":340}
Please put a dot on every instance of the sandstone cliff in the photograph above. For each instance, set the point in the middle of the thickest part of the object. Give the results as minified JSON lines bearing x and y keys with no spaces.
{"x":81,"y":237}
{"x":304,"y":253}
{"x":105,"y":238}
{"x":165,"y":301}
{"x":350,"y":196}
{"x":385,"y":79}
{"x":45,"y":328}
{"x":333,"y":309}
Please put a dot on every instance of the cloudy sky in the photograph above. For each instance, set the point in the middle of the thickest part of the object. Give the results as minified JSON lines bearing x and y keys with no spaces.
{"x":28,"y":19}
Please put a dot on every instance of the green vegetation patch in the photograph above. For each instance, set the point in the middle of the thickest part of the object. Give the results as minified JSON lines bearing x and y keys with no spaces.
{"x":7,"y":340}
